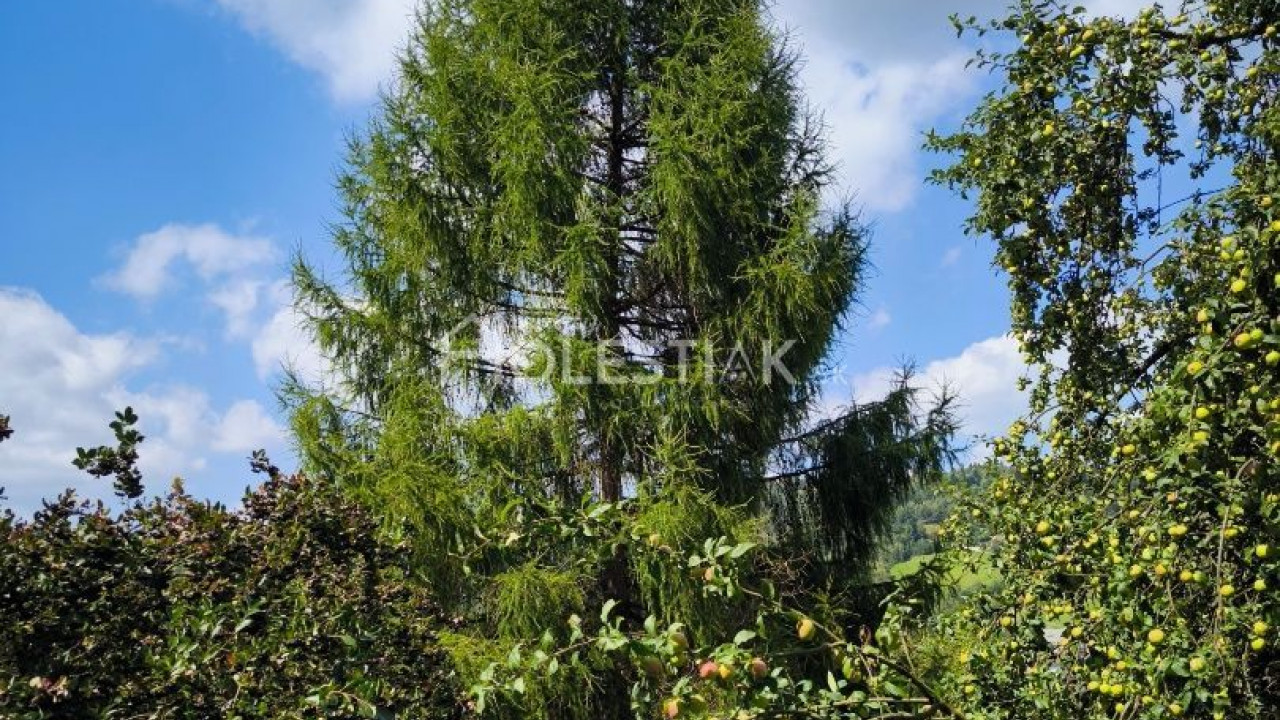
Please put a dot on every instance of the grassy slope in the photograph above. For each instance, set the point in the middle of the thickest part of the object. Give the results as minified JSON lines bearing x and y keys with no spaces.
{"x":962,"y":581}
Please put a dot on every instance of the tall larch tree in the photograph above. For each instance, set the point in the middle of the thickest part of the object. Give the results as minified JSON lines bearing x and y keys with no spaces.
{"x":590,"y":289}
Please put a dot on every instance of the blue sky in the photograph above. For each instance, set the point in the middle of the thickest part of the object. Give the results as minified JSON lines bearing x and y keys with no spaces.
{"x":162,"y":159}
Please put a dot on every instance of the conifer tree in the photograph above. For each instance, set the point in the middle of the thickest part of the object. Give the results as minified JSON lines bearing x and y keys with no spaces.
{"x":627,"y":197}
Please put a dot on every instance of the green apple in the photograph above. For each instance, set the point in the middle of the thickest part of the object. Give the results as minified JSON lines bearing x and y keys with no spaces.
{"x":652,"y":667}
{"x":680,"y":640}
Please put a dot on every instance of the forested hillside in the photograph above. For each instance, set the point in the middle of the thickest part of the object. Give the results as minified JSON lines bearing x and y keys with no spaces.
{"x":918,"y":519}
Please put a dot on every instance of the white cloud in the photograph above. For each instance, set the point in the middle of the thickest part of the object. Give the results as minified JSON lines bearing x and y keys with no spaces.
{"x":231,"y":274}
{"x":229,"y":270}
{"x":877,"y":32}
{"x":54,"y":384}
{"x":879,"y":319}
{"x":902,"y":31}
{"x":984,"y":376}
{"x":245,"y":427}
{"x":882,"y":73}
{"x":877,"y":119}
{"x":284,"y":342}
{"x":61,"y":386}
{"x":212,"y":253}
{"x":176,"y":422}
{"x":351,"y":43}
{"x":238,"y":300}
{"x":952,"y":256}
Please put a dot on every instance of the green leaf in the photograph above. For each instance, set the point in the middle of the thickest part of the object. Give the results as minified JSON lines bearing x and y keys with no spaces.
{"x":608,"y":607}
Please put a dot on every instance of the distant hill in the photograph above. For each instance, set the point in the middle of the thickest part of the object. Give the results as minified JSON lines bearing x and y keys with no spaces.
{"x":916,"y":522}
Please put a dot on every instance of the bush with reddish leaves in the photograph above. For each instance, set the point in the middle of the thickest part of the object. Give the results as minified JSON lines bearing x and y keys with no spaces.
{"x":294,"y":606}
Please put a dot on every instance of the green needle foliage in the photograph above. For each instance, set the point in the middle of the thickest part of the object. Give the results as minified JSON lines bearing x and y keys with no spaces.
{"x":626,"y":195}
{"x":1144,"y":511}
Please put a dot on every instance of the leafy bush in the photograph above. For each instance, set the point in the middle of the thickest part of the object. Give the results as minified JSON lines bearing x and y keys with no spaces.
{"x":290,"y":607}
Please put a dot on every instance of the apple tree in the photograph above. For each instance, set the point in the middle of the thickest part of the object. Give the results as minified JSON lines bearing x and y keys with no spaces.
{"x":1128,"y":171}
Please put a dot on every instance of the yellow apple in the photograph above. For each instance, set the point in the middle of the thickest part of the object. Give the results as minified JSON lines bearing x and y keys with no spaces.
{"x":805,"y":629}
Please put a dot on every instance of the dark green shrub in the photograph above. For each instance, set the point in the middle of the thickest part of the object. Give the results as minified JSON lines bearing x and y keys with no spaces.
{"x":291,"y":607}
